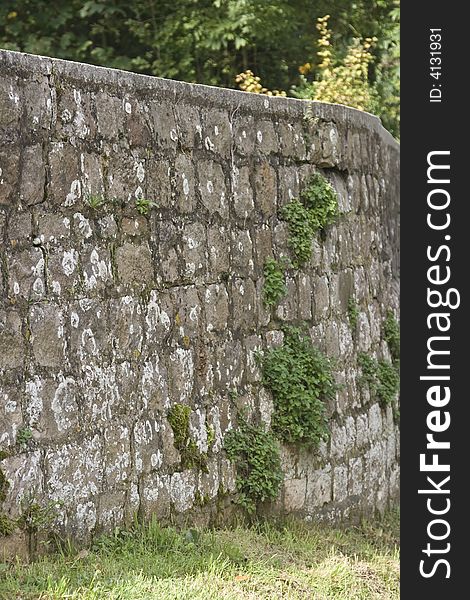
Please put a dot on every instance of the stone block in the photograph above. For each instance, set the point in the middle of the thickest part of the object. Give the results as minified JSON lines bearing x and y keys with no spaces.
{"x":242,"y":253}
{"x":134,"y":265}
{"x":11,"y":340}
{"x":265,"y":189}
{"x":33,"y":175}
{"x":183,"y":184}
{"x":219,"y":251}
{"x":243,"y":204}
{"x":243,"y":298}
{"x":64,"y":187}
{"x":319,"y":487}
{"x":189,"y":129}
{"x":51,"y":406}
{"x":11,"y":417}
{"x":212,"y":188}
{"x":216,"y":308}
{"x":294,"y":494}
{"x":193,"y":251}
{"x":47,"y":335}
{"x":9,"y":163}
{"x":26,"y":274}
{"x":266,"y":138}
{"x":217,"y":133}
{"x":244,"y":135}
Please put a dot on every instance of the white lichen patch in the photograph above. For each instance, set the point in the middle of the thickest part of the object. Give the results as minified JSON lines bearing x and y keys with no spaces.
{"x":86,"y":516}
{"x":197,"y":429}
{"x":69,"y":261}
{"x":75,"y":472}
{"x":209,"y":144}
{"x":185,"y":184}
{"x":34,"y":401}
{"x":184,"y":365}
{"x":64,"y":405}
{"x":139,"y":171}
{"x":156,"y":315}
{"x":74,"y":194}
{"x":24,"y":475}
{"x":100,"y":271}
{"x":183,"y":490}
{"x":83,"y":225}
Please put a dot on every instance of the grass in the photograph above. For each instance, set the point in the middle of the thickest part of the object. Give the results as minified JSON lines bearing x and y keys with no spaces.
{"x":276,"y":561}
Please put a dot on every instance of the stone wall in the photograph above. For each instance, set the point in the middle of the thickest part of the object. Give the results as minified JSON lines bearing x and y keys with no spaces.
{"x":109,"y":317}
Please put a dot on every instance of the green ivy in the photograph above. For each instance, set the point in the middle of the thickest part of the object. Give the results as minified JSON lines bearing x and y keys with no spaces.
{"x":23,"y":436}
{"x":392,"y":335}
{"x":389,"y":381}
{"x":317,"y":208}
{"x":274,"y":282}
{"x":381,"y":376}
{"x":255,"y":453}
{"x":191,"y":457}
{"x":321,"y":201}
{"x":353,"y":313}
{"x":300,"y":379}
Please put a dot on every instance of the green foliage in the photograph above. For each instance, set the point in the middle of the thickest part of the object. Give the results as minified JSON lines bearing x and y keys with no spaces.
{"x":316,"y":209}
{"x":191,"y":457}
{"x":300,"y":232}
{"x":363,"y":72}
{"x":4,"y":485}
{"x":388,"y":381}
{"x":210,"y":435}
{"x":7,"y":525}
{"x":342,"y":80}
{"x":392,"y":335}
{"x":36,"y":517}
{"x":353,"y":313}
{"x":255,"y":452}
{"x":95,"y":201}
{"x":23,"y":436}
{"x":387,"y":71}
{"x":143,"y":205}
{"x":382,"y":377}
{"x":300,"y":379}
{"x":274,"y":282}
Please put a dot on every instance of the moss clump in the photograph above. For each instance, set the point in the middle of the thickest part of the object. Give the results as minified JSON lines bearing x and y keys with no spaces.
{"x":191,"y":457}
{"x":210,"y":431}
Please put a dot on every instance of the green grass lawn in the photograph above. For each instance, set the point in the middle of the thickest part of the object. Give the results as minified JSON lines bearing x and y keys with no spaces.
{"x":288,"y":560}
